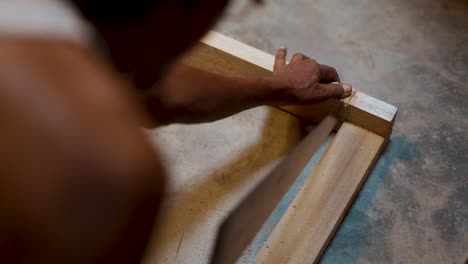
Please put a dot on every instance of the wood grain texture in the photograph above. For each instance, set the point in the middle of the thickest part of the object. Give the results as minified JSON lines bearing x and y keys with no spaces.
{"x":212,"y":167}
{"x":220,"y":54}
{"x":243,"y":223}
{"x":310,"y":222}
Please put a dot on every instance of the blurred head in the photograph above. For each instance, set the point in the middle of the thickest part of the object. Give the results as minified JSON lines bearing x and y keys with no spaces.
{"x":139,"y":32}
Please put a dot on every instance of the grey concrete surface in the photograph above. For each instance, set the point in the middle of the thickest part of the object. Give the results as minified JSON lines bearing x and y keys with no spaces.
{"x":413,"y":54}
{"x":211,"y":167}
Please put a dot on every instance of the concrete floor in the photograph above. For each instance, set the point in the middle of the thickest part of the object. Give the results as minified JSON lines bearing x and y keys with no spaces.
{"x":414,"y":207}
{"x":413,"y":54}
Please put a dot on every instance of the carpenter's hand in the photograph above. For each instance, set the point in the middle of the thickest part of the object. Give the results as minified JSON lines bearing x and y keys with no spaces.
{"x":304,"y":80}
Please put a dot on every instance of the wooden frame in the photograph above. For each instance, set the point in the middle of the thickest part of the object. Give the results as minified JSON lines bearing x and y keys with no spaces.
{"x":310,"y":222}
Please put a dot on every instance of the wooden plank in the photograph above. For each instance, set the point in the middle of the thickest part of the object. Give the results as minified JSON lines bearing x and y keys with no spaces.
{"x":212,"y":167}
{"x":239,"y":229}
{"x":310,"y":222}
{"x":220,"y":54}
{"x":361,"y":109}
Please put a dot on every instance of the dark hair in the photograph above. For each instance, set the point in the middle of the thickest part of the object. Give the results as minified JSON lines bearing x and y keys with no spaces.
{"x":112,"y":11}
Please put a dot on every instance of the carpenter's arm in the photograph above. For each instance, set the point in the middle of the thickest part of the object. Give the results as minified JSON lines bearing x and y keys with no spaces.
{"x":144,"y":45}
{"x":189,"y":95}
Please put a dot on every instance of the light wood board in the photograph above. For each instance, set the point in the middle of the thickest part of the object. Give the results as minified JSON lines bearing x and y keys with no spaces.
{"x":220,"y":54}
{"x":239,"y":229}
{"x":311,"y":220}
{"x":211,"y":168}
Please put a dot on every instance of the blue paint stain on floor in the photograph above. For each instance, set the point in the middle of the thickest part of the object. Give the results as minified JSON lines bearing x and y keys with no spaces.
{"x":351,"y":237}
{"x":279,"y":211}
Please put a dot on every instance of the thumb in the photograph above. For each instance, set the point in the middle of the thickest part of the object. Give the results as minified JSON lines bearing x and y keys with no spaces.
{"x":336,"y":90}
{"x":280,"y":60}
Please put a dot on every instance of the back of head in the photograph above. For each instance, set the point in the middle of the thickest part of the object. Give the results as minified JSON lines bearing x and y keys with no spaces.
{"x":113,"y":11}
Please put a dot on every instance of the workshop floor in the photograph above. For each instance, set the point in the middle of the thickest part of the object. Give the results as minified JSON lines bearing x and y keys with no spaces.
{"x":413,"y":54}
